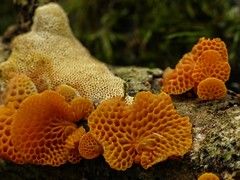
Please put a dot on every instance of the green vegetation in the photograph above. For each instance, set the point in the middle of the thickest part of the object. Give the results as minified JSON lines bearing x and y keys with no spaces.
{"x":151,"y":33}
{"x":7,"y":15}
{"x":154,"y":33}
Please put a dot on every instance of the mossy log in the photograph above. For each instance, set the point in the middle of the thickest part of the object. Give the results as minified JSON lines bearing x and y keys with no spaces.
{"x":216,"y":135}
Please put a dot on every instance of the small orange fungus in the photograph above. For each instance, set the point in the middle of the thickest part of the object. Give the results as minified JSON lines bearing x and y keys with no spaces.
{"x":68,"y":92}
{"x":81,"y":107}
{"x":211,"y":88}
{"x":208,"y":176}
{"x":88,"y":147}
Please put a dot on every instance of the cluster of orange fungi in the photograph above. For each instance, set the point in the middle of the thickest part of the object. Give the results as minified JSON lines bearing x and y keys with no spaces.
{"x":41,"y":128}
{"x":205,"y":69}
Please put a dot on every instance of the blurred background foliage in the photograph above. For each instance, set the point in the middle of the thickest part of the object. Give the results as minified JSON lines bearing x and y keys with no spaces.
{"x":153,"y":33}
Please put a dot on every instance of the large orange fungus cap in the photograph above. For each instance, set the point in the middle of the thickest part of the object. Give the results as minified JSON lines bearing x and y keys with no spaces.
{"x":40,"y":128}
{"x":146,"y":132}
{"x":108,"y":125}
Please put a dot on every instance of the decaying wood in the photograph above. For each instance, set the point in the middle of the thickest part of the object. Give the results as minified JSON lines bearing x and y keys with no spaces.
{"x":216,"y":146}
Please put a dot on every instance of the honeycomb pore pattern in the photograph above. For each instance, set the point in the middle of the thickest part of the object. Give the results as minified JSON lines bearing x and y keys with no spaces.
{"x":146,"y":132}
{"x":179,"y":80}
{"x":211,"y":88}
{"x":40,"y":128}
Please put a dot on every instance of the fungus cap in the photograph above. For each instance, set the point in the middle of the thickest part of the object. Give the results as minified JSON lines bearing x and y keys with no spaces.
{"x":67,"y":91}
{"x":161,"y":131}
{"x":108,"y":123}
{"x":146,"y":132}
{"x":40,"y":128}
{"x":211,"y":89}
{"x":82,"y":107}
{"x":209,"y":44}
{"x":208,"y":176}
{"x":7,"y":150}
{"x":18,"y":88}
{"x":72,"y":143}
{"x":179,"y":80}
{"x":210,"y":64}
{"x":88,"y":147}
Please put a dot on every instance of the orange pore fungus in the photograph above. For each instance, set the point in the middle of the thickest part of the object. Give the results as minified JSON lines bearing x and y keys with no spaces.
{"x":179,"y":80}
{"x":81,"y":107}
{"x":146,"y":132}
{"x":72,"y":143}
{"x":7,"y":150}
{"x":109,"y":125}
{"x":208,"y":176}
{"x":18,"y":88}
{"x":208,"y":59}
{"x":209,"y":64}
{"x":211,"y":88}
{"x":88,"y":147}
{"x":68,"y":92}
{"x":209,"y":44}
{"x":73,"y":139}
{"x":40,"y":128}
